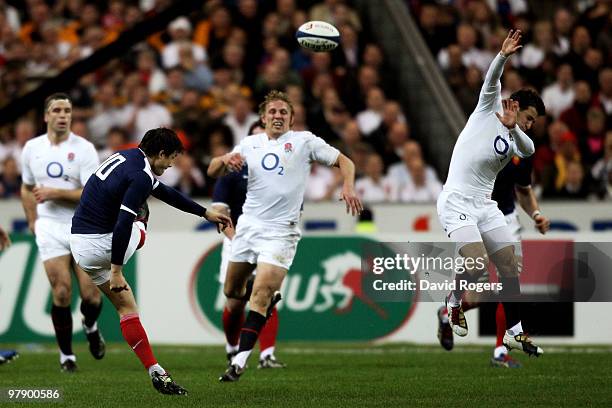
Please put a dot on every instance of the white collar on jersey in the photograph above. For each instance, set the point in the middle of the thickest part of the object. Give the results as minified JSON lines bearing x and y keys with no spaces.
{"x":69,"y":138}
{"x":147,"y":167}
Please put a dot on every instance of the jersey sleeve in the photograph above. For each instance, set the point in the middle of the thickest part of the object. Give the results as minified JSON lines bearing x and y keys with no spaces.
{"x":177,"y":199}
{"x":134,"y":197}
{"x":524,"y":144}
{"x":490,"y":94}
{"x":89,"y":164}
{"x":322,"y":152}
{"x":26,"y":172}
{"x":221,"y":192}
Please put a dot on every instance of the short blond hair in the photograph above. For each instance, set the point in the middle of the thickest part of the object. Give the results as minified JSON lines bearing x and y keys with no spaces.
{"x":275,"y":95}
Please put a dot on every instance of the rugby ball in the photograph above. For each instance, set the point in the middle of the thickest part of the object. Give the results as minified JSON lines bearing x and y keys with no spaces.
{"x":318,"y":36}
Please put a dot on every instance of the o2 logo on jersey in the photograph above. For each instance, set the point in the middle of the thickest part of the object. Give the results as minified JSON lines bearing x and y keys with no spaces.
{"x":271,"y":162}
{"x":55,"y":170}
{"x":501,"y":147}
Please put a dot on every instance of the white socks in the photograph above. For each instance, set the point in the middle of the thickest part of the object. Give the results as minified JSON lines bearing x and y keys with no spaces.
{"x":241,"y":358}
{"x":154,"y":368}
{"x":230,"y":349}
{"x":91,"y":329}
{"x":500,"y":351}
{"x":267,"y":352}
{"x":64,"y":357}
{"x":516,"y":329}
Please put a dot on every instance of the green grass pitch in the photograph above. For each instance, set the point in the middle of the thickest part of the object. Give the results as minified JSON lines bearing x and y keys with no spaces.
{"x":326,"y":375}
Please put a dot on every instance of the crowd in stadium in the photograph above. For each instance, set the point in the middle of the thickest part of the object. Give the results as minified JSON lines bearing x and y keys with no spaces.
{"x":205,"y":74}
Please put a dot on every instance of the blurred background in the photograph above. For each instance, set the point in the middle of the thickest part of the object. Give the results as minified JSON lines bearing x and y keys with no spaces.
{"x":393,"y":97}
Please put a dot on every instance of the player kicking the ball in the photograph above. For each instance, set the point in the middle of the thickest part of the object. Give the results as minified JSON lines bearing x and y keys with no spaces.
{"x":105,"y":236}
{"x":465,"y":208}
{"x":267,"y":234}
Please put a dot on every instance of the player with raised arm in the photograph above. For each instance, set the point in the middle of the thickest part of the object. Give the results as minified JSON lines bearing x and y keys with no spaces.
{"x":105,"y":236}
{"x":512,"y":184}
{"x":55,"y":167}
{"x":267,"y":234}
{"x":228,"y":197}
{"x":465,"y":208}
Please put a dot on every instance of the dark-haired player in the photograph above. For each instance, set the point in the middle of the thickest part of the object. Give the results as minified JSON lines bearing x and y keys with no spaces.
{"x":512,"y":184}
{"x":228,"y":197}
{"x":468,"y":214}
{"x":105,"y":236}
{"x":55,"y":167}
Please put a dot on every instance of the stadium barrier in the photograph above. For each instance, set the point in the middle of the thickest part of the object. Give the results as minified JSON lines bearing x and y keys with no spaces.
{"x":323,"y":299}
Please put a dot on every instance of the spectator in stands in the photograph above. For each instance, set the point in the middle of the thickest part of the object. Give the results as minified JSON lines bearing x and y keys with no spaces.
{"x":321,"y":183}
{"x":554,"y":177}
{"x":532,"y":55}
{"x":106,"y":114}
{"x":348,"y":54}
{"x":470,"y":54}
{"x":574,"y":187}
{"x":116,"y":139}
{"x":212,"y":33}
{"x":575,"y":116}
{"x":436,"y":36}
{"x":10,"y":178}
{"x":172,"y":94}
{"x":196,"y":74}
{"x":592,"y":142}
{"x":563,"y":21}
{"x":601,"y":172}
{"x":299,"y":118}
{"x":180,"y":33}
{"x":545,"y":153}
{"x":422,"y":186}
{"x":559,"y":96}
{"x":150,"y":73}
{"x":604,"y":96}
{"x":374,"y":187}
{"x":326,"y":11}
{"x":24,"y":131}
{"x":399,"y":173}
{"x":370,"y":118}
{"x":141,"y":114}
{"x":580,"y":43}
{"x":186,"y":177}
{"x":350,"y":137}
{"x":467,"y":95}
{"x":593,"y":62}
{"x":392,"y":149}
{"x":512,"y":81}
{"x":240,"y":117}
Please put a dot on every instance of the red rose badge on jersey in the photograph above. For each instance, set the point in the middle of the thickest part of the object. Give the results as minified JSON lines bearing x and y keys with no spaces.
{"x":288,"y":148}
{"x":70,"y":156}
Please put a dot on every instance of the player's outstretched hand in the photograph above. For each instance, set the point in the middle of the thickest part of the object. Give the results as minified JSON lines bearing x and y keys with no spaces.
{"x":509,"y":117}
{"x":222,"y":220}
{"x":511,"y":43}
{"x":353,"y":203}
{"x":542,"y":223}
{"x":5,"y":241}
{"x":233,"y":161}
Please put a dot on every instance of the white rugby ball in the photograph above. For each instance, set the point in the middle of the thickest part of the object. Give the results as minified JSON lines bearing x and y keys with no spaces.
{"x":318,"y":36}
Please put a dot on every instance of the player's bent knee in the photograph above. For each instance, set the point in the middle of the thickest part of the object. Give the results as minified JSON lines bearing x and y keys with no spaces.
{"x":62,"y":294}
{"x":260,"y":299}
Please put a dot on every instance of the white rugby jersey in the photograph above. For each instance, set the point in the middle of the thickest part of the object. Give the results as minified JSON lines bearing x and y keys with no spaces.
{"x":278,"y":170}
{"x":67,"y":166}
{"x":485,"y":146}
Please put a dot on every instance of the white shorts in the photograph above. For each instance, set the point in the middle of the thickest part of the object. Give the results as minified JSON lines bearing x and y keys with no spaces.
{"x":92,"y":252}
{"x":456,"y":210}
{"x":254,"y":243}
{"x":226,"y":251}
{"x":52,"y":237}
{"x":515,"y":227}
